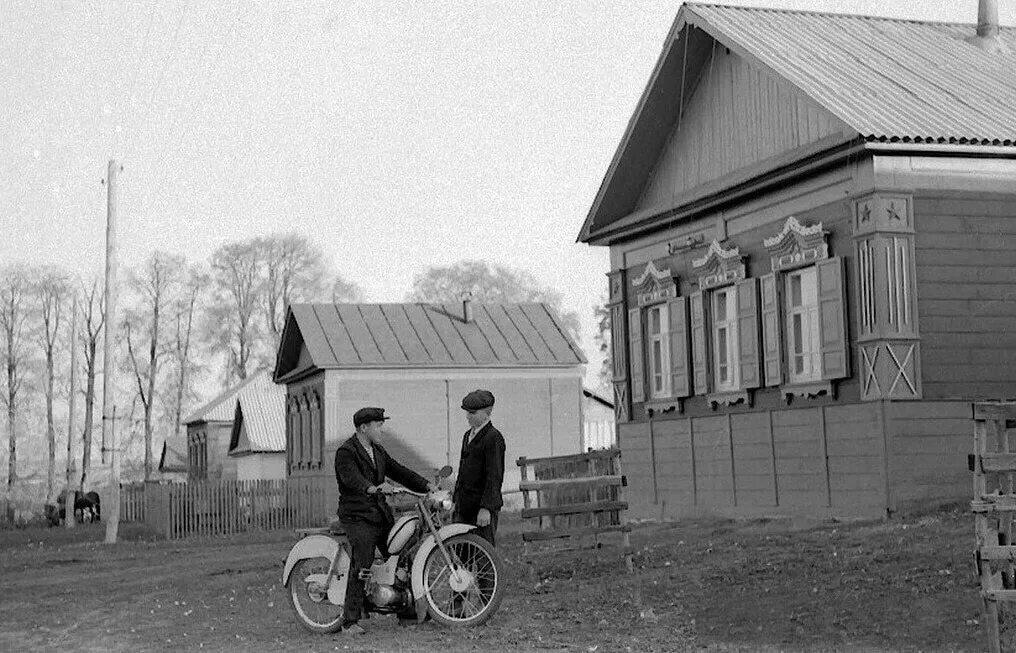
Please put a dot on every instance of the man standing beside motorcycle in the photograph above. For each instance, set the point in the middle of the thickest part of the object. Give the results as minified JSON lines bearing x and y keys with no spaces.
{"x":361,"y":468}
{"x":477,"y":493}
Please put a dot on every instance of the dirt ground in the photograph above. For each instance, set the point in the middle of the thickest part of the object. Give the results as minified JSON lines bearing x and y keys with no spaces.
{"x":905,"y":585}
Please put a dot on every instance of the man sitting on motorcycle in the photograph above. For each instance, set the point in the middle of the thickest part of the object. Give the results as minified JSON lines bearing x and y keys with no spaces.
{"x":361,"y":467}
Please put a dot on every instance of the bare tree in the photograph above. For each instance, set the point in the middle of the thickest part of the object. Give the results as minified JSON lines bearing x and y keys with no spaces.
{"x":345,"y":291}
{"x":488,"y":283}
{"x":15,"y":286}
{"x":232,"y":326}
{"x":295,"y":270}
{"x":603,"y":344}
{"x":184,"y":307}
{"x":153,"y":286}
{"x":93,"y":312}
{"x":53,"y":288}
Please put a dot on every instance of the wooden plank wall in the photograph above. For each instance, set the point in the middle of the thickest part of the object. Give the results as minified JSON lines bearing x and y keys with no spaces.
{"x":928,"y":447}
{"x":966,"y":275}
{"x":818,"y":460}
{"x":738,"y":115}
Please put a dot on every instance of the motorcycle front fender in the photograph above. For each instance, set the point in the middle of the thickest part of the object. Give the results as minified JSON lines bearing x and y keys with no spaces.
{"x":313,"y":546}
{"x":428,"y":545}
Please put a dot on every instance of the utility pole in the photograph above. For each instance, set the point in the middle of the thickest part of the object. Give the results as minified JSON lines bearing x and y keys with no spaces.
{"x":69,"y":491}
{"x":109,"y":357}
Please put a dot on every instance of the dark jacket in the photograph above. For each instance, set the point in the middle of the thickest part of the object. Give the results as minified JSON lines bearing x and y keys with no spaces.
{"x":481,"y":470}
{"x":354,"y":473}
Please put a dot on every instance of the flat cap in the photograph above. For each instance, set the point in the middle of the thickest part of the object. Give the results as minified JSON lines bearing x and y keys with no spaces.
{"x":478,"y":400}
{"x":365,"y":415}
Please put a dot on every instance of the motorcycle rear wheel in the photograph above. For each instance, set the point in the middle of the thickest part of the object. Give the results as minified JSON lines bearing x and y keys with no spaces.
{"x":469,"y":599}
{"x":311,"y":605}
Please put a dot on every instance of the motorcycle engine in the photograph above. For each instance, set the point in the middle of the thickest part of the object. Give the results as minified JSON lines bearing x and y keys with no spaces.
{"x":386,"y":595}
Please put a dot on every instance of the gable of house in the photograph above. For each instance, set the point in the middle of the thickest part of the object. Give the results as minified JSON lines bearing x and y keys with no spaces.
{"x":741,"y":94}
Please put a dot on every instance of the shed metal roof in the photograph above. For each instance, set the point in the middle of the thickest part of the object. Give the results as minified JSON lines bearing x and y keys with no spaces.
{"x":426,"y":335}
{"x":223,"y":407}
{"x":262,"y":409}
{"x":889,"y":79}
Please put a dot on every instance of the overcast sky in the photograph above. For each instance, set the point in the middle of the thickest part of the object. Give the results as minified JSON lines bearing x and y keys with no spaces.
{"x":396,"y":135}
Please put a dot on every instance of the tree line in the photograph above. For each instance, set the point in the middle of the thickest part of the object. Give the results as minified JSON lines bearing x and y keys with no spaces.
{"x":180,"y":323}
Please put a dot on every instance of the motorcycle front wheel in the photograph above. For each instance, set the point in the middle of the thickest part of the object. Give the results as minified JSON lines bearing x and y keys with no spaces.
{"x":468,"y":592}
{"x":310,"y":600}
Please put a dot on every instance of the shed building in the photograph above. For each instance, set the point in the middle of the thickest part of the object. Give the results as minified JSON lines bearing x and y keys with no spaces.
{"x":417,"y":361}
{"x":812,"y":230}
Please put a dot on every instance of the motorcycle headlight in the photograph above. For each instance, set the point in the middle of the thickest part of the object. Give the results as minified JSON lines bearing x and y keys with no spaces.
{"x":446,"y":504}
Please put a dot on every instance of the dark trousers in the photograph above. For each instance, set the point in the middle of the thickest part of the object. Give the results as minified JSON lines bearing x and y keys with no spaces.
{"x":467,"y":515}
{"x":363,"y":538}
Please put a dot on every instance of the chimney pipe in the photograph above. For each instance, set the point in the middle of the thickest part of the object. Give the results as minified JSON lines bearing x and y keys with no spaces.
{"x":987,"y":19}
{"x":467,"y":308}
{"x":987,"y":27}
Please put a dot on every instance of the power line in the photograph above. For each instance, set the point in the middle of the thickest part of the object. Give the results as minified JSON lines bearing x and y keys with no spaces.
{"x":129,"y":98}
{"x":162,"y":73}
{"x":206,"y":88}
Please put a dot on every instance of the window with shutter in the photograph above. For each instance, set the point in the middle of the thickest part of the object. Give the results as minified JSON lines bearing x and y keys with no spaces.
{"x":803,"y":312}
{"x":656,"y":321}
{"x":724,"y":327}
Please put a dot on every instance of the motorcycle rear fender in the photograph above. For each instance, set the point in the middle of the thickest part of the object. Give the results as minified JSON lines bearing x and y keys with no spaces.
{"x":428,"y":545}
{"x":314,"y":546}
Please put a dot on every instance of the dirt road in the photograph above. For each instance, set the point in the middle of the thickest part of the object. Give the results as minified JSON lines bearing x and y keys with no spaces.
{"x":707,"y":585}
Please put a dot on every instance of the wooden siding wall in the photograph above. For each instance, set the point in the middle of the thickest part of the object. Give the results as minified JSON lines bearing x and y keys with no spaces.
{"x":737,"y":116}
{"x":966,"y":295}
{"x":811,"y":460}
{"x":928,"y":447}
{"x":539,"y":416}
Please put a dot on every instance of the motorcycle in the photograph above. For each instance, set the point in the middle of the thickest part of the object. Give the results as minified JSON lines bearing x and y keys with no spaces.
{"x":435,"y":569}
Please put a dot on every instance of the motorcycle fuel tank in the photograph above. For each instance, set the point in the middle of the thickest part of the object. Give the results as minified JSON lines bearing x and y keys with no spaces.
{"x":401,"y":532}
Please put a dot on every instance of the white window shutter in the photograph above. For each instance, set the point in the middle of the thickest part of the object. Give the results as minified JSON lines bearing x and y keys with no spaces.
{"x":680,"y":378}
{"x":832,"y":319}
{"x":772,"y":334}
{"x":699,"y":343}
{"x":748,"y":333}
{"x":636,"y":355}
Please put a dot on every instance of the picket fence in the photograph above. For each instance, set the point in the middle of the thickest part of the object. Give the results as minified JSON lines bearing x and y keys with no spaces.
{"x":207,"y":508}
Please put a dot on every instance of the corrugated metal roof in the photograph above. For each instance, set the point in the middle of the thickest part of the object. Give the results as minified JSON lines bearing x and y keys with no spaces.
{"x":223,"y":407}
{"x":888,"y":79}
{"x":435,"y":335}
{"x":262,"y":407}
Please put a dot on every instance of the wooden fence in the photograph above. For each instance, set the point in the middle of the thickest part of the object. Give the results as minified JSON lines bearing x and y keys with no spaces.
{"x":206,"y":508}
{"x":574,"y":497}
{"x":994,"y":506}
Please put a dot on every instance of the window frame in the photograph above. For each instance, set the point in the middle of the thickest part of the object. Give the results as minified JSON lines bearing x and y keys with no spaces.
{"x":731,"y":341}
{"x":808,"y":311}
{"x":661,"y":339}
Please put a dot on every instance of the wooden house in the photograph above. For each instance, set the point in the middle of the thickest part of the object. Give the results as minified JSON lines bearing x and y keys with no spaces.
{"x":598,"y":425}
{"x":812,"y":230}
{"x":257,"y":439}
{"x":210,"y":431}
{"x":417,"y":361}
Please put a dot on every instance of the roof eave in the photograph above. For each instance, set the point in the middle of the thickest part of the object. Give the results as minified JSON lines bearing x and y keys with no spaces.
{"x":736,"y":187}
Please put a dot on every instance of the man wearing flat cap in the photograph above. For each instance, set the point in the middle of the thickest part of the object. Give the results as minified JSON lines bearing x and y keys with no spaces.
{"x":361,"y":469}
{"x":477,"y":494}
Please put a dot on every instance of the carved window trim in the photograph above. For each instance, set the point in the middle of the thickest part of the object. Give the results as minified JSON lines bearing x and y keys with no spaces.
{"x":796,"y":245}
{"x":719,"y":267}
{"x":654,"y":286}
